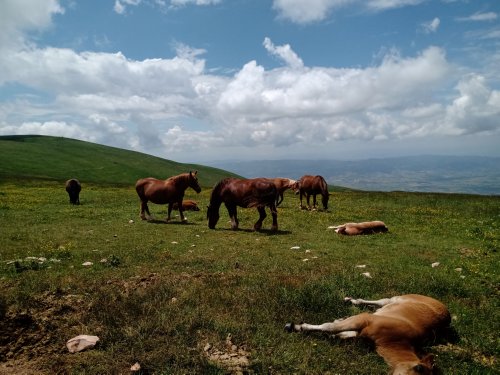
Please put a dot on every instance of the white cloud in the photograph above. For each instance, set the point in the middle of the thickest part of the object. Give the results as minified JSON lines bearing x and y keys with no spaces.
{"x":391,"y":4}
{"x":175,"y":106}
{"x":431,"y":26}
{"x":488,"y":16}
{"x":195,"y":2}
{"x":18,"y":16}
{"x":121,"y":5}
{"x":285,"y":53}
{"x":306,"y":11}
{"x":476,"y":109}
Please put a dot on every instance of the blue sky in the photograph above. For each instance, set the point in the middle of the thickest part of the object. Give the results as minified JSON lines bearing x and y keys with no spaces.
{"x":203,"y":80}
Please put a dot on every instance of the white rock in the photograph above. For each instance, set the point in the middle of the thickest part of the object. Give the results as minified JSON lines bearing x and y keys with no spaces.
{"x":295,"y":248}
{"x":361,"y":266}
{"x":367,"y":274}
{"x":87,"y":264}
{"x":458,"y":269}
{"x":435,"y":264}
{"x":82,"y":342}
{"x":131,"y":222}
{"x":135,"y":367}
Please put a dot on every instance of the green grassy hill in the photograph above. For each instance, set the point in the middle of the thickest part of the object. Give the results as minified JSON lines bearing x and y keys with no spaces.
{"x":58,"y":159}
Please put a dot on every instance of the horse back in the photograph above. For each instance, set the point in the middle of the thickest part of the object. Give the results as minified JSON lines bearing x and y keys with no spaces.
{"x":313,"y":184}
{"x":250,"y":192}
{"x":422,"y":313}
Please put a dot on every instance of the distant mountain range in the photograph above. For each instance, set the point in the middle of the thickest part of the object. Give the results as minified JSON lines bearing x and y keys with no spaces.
{"x":449,"y":174}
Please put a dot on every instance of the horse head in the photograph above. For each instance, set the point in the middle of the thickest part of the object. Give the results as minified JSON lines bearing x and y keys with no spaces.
{"x":212,"y":216}
{"x":193,"y":181}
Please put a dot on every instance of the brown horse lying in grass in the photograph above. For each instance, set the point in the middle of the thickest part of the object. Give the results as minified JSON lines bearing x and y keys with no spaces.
{"x":187,"y":205}
{"x":397,"y":327}
{"x":166,"y":191}
{"x":367,"y":227}
{"x":246,"y":193}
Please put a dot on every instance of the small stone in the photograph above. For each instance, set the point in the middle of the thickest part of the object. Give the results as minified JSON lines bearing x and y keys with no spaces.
{"x":295,"y":248}
{"x":435,"y":264}
{"x":367,"y":274}
{"x":458,"y":269}
{"x":81,"y":342}
{"x":131,"y":222}
{"x":135,"y":367}
{"x":87,"y":264}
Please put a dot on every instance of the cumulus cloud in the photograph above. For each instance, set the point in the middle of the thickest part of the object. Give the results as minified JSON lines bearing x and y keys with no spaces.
{"x":431,"y":26}
{"x":18,"y":16}
{"x":175,"y":107}
{"x":309,"y":11}
{"x":285,"y":53}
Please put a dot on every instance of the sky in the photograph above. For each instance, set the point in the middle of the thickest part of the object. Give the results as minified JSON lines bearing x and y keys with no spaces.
{"x":211,"y":80}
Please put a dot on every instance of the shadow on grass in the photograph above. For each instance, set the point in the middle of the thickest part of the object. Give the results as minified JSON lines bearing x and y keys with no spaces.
{"x":267,"y":232}
{"x":171,"y":222}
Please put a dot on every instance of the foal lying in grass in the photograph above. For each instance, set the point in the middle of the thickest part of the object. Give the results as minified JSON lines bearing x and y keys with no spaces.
{"x":397,"y":327}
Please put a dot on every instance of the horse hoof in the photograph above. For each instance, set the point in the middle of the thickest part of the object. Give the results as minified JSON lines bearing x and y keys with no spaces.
{"x":289,"y":327}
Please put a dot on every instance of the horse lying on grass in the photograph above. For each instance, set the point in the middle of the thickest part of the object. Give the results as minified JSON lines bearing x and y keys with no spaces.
{"x":187,"y":205}
{"x":367,"y":227}
{"x":399,"y":325}
{"x":246,"y":193}
{"x":166,"y":191}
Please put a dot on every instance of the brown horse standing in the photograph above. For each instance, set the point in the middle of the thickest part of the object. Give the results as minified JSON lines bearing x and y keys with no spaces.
{"x":313,"y":185}
{"x":282,"y":184}
{"x":166,"y":191}
{"x":246,"y":193}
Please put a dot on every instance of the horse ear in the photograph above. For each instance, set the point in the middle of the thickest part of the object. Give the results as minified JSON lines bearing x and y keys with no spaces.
{"x":428,"y":360}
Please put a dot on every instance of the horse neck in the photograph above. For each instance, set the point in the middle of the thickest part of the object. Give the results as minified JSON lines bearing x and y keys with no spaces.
{"x":181,"y":181}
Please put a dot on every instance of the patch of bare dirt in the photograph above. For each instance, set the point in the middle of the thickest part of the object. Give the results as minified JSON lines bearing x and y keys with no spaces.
{"x":35,"y":332}
{"x":235,"y":359}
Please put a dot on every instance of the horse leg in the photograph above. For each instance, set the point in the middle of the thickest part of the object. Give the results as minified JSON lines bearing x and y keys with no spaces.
{"x":144,"y":208}
{"x":169,"y":211}
{"x":233,"y":215}
{"x":314,"y":201}
{"x":343,"y":328}
{"x":262,"y":216}
{"x":301,"y":195}
{"x":308,"y":198}
{"x":280,"y":199}
{"x":379,"y":303}
{"x":181,"y":212}
{"x":274,"y":214}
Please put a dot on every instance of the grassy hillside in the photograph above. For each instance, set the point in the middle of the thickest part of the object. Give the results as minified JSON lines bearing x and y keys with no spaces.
{"x":169,"y":295}
{"x":54,"y":158}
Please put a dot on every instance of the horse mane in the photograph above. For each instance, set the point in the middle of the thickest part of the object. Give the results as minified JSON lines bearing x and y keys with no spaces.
{"x":324,"y":184}
{"x":217,"y":189}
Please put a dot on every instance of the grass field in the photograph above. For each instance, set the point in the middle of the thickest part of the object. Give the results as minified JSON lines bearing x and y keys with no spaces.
{"x":168,"y":295}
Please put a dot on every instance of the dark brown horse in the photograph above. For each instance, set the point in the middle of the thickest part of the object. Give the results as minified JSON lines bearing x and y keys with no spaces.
{"x":166,"y":191}
{"x":312,"y":185}
{"x":233,"y":192}
{"x":73,"y":187}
